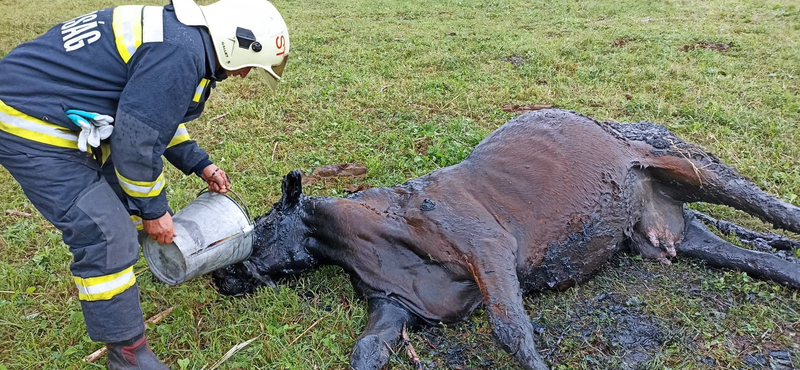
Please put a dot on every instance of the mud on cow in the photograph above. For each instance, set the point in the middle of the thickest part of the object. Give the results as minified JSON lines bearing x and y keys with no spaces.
{"x":541,"y":203}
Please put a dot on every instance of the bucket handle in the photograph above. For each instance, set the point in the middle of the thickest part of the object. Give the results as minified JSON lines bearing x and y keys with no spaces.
{"x":239,"y":201}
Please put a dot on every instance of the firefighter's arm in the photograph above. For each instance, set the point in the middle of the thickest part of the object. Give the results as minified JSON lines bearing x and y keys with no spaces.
{"x":184,"y":154}
{"x":161,"y":83}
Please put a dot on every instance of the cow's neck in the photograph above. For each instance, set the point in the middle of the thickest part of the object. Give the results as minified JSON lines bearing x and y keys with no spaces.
{"x":343,"y":230}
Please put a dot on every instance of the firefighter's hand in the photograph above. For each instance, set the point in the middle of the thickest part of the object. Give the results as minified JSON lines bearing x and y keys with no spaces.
{"x":216,"y":178}
{"x":161,"y":229}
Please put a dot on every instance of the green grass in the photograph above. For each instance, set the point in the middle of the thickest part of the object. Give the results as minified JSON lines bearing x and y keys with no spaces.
{"x":407,"y":87}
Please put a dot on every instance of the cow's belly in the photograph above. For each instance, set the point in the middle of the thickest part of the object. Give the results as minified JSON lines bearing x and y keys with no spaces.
{"x":580,"y":242}
{"x":571,"y":261}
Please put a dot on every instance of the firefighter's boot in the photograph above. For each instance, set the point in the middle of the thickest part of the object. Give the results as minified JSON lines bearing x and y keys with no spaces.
{"x":134,"y":354}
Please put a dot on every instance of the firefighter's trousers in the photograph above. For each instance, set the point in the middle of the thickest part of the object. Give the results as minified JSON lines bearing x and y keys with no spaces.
{"x":83,"y":200}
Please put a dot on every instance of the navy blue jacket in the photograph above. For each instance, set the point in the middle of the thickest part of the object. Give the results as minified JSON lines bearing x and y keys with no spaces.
{"x":137,"y":64}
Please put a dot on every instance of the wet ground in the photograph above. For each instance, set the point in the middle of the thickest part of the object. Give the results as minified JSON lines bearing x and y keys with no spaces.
{"x":638,"y":314}
{"x":513,"y":59}
{"x":718,"y":46}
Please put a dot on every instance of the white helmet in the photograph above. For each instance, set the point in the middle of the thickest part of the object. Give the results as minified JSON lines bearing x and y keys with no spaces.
{"x":246,"y":33}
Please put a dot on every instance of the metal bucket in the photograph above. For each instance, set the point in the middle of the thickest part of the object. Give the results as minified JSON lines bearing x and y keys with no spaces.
{"x":213,"y":231}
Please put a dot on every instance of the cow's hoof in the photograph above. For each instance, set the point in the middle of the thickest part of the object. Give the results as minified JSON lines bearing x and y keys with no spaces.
{"x":369,"y":353}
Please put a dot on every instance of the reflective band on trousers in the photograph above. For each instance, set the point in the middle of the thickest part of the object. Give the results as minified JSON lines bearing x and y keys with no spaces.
{"x":20,"y":124}
{"x":105,"y":287}
{"x":141,"y":189}
{"x":181,"y":135}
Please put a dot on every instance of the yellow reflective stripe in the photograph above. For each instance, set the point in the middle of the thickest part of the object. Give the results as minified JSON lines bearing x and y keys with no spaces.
{"x":98,"y":280}
{"x":105,"y":287}
{"x":127,"y":25}
{"x":181,"y":135}
{"x":198,"y":92}
{"x":20,"y":124}
{"x":105,"y":149}
{"x":137,"y":221}
{"x":141,"y":189}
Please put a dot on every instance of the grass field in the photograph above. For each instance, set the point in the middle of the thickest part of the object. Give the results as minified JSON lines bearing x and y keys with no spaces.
{"x":406,"y":87}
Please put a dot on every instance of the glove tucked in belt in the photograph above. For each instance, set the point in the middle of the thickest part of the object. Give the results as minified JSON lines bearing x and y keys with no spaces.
{"x":94,"y":127}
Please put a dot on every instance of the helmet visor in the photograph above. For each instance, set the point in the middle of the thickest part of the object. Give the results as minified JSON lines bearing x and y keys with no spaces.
{"x":268,"y":78}
{"x":278,"y":69}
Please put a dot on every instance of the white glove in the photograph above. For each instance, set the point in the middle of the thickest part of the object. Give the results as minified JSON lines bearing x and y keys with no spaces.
{"x":94,"y":127}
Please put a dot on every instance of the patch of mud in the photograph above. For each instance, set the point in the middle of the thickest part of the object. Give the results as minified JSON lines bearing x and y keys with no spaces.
{"x":773,"y":360}
{"x":513,"y":59}
{"x":613,"y":327}
{"x":637,"y":337}
{"x":353,"y":188}
{"x":453,"y":353}
{"x":333,"y":172}
{"x":783,"y":359}
{"x":515,"y":108}
{"x":721,"y":47}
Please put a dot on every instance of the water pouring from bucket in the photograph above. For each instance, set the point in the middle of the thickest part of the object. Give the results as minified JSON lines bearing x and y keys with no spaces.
{"x":214,"y":231}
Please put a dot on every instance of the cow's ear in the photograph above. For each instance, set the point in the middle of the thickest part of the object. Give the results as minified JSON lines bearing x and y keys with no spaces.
{"x":292,"y":188}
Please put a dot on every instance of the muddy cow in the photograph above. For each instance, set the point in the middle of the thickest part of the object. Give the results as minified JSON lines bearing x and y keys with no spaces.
{"x":541,"y":203}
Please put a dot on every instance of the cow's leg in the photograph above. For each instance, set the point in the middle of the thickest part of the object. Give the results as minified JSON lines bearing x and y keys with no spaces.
{"x":385,"y":325}
{"x":494,"y":269}
{"x":701,"y":243}
{"x":762,"y":241}
{"x":701,"y":177}
{"x":694,"y":175}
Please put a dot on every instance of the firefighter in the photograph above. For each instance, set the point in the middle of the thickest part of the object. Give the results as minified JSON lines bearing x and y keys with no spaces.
{"x":87,"y":111}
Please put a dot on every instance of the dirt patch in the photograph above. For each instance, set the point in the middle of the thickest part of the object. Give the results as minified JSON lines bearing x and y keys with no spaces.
{"x":620,"y":43}
{"x":453,"y":353}
{"x":615,"y":329}
{"x":353,"y":188}
{"x":637,"y":337}
{"x":782,"y":359}
{"x":513,"y":59}
{"x":515,"y":108}
{"x":333,"y":172}
{"x":611,"y":331}
{"x":773,"y":360}
{"x":721,"y":47}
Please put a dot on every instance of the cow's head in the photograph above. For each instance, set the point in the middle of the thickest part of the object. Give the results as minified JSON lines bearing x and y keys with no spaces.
{"x":280,"y":244}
